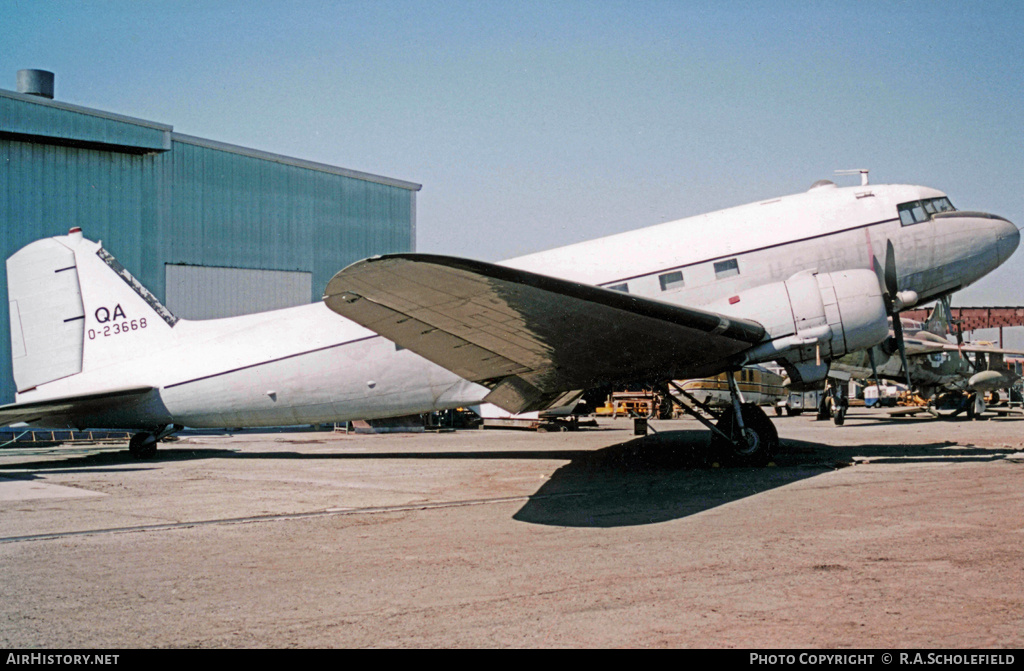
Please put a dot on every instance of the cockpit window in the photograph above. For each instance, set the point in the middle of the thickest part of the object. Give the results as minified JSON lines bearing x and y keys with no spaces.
{"x":917,"y":211}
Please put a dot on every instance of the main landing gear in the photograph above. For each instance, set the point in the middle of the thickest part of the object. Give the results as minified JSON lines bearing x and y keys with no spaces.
{"x":742,"y":436}
{"x":950,"y":404}
{"x":143,"y":444}
{"x":833,"y":403}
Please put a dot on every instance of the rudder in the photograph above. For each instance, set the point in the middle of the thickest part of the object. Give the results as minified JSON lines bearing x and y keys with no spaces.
{"x":46,"y":312}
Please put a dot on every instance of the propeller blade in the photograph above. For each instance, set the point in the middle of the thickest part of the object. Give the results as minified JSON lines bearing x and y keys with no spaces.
{"x":897,"y":330}
{"x":880,"y":273}
{"x":891,"y":280}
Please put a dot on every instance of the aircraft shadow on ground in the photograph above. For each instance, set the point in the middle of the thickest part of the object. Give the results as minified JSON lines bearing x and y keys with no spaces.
{"x":646,"y":480}
{"x":109,"y":461}
{"x":876,"y":420}
{"x":666,"y":477}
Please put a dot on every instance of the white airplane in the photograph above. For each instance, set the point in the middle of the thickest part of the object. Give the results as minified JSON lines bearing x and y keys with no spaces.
{"x":795,"y":280}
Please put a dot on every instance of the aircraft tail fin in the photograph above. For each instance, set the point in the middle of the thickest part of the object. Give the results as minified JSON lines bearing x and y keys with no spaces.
{"x":47,"y":316}
{"x":73,"y":307}
{"x":938,"y":321}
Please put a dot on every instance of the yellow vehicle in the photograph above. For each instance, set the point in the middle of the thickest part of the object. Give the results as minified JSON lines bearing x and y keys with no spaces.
{"x":757,"y":385}
{"x":647,"y":404}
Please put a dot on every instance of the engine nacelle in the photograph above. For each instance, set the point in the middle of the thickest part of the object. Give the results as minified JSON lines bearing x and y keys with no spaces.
{"x":812,"y":318}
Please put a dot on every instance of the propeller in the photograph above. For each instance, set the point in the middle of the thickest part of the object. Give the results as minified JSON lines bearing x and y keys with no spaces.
{"x":894,"y":301}
{"x":874,"y":369}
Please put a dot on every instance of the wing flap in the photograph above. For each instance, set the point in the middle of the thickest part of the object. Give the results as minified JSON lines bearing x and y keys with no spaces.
{"x":530,"y":337}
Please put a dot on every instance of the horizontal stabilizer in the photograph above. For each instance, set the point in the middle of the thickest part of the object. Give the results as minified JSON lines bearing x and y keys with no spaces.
{"x":531,"y":337}
{"x":58,"y":410}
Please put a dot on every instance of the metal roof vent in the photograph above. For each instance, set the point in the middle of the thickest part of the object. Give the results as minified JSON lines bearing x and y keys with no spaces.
{"x":821,"y":183}
{"x":36,"y":83}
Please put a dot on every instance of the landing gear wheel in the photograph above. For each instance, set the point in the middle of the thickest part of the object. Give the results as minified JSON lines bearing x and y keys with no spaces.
{"x":975,"y":406}
{"x":755,"y":447}
{"x":949,"y":405}
{"x":142,"y":446}
{"x":839,"y":415}
{"x":824,"y":408}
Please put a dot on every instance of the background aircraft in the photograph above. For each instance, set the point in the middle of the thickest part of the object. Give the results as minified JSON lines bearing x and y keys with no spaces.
{"x":795,"y":280}
{"x":956,"y":377}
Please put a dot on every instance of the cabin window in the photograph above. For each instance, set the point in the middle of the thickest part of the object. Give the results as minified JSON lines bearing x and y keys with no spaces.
{"x":726,"y":268}
{"x":673,"y":280}
{"x":624,"y":288}
{"x":917,"y":211}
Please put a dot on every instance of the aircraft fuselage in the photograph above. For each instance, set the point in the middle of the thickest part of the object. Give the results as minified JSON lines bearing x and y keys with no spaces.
{"x":308,"y":365}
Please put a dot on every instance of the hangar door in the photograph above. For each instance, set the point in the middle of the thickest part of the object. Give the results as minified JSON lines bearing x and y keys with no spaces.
{"x":205,"y":292}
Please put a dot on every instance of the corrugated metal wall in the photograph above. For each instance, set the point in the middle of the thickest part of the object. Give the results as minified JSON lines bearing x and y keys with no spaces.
{"x":199,"y":203}
{"x":202,"y":292}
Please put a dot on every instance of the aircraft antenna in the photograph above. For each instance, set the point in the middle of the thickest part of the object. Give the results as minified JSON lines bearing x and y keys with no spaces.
{"x":863,"y":172}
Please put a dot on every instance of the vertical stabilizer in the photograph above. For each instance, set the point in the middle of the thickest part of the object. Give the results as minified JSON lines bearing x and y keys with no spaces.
{"x":74,"y":308}
{"x":47,"y":316}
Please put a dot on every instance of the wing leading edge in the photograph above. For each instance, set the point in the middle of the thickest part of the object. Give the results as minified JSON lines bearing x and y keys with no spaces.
{"x":529,"y":337}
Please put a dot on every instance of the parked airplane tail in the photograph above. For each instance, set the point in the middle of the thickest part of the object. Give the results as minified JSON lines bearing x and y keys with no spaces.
{"x":938,"y":321}
{"x":73,"y":307}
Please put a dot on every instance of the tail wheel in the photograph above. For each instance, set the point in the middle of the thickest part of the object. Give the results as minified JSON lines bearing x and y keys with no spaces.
{"x":757,"y":444}
{"x":142,"y":446}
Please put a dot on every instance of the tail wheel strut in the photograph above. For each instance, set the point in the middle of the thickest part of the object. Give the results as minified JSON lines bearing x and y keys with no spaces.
{"x":143,"y":444}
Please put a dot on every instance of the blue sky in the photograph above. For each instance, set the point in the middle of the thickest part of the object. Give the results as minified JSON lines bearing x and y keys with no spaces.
{"x":536,"y":124}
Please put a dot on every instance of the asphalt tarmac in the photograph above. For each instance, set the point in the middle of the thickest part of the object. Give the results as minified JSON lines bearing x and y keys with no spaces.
{"x":882,"y":533}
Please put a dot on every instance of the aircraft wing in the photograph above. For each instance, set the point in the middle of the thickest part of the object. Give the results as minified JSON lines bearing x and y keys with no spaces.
{"x":60,"y":410}
{"x":529,"y":337}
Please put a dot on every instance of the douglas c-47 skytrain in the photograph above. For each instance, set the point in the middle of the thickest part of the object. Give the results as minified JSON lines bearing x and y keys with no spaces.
{"x":799,"y":280}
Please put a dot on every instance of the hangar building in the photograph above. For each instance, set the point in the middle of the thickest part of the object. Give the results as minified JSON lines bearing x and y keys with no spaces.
{"x":212,"y":229}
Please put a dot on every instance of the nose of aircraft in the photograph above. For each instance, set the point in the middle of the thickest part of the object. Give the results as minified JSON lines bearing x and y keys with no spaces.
{"x":1008,"y":239}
